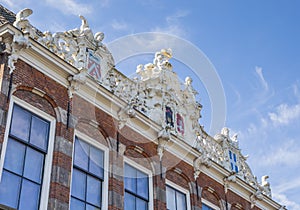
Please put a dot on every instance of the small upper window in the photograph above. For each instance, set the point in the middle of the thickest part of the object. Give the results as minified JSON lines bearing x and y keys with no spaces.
{"x":176,"y":200}
{"x":206,"y":207}
{"x":233,"y":161}
{"x":136,"y":189}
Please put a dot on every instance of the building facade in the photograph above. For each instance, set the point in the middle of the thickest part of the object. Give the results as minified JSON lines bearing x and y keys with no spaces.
{"x":76,"y":133}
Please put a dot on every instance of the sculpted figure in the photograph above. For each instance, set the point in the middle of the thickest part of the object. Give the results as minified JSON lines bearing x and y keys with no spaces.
{"x":21,"y":21}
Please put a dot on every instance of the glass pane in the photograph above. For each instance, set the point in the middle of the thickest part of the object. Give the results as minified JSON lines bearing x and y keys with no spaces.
{"x":181,"y":200}
{"x":230,"y":154}
{"x":14,"y":157}
{"x":171,"y":202}
{"x":20,"y":124}
{"x":129,"y":202}
{"x":234,"y":157}
{"x":231,"y":166}
{"x":93,"y":195}
{"x":141,"y":204}
{"x":130,"y":178}
{"x":30,"y":196}
{"x":90,"y":207}
{"x":236,"y":169}
{"x":34,"y":171}
{"x":81,"y":154}
{"x":142,"y":184}
{"x":76,"y":204}
{"x":205,"y":207}
{"x":39,"y":133}
{"x":96,"y":162}
{"x":9,"y":189}
{"x":78,"y":184}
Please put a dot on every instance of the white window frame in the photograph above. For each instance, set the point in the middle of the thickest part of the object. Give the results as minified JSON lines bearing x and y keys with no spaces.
{"x":211,"y":205}
{"x":91,"y":141}
{"x":48,"y":158}
{"x":182,"y":190}
{"x":146,"y":171}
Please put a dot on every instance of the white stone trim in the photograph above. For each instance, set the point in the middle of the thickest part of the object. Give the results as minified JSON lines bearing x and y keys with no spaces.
{"x":182,"y":190}
{"x":150,"y":176}
{"x":48,"y":159}
{"x":91,"y":141}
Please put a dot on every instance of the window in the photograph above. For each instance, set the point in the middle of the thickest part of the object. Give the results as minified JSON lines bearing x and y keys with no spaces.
{"x":136,"y":185}
{"x":233,"y":161}
{"x":176,"y":200}
{"x":22,"y":181}
{"x":87,"y":177}
{"x":206,"y":207}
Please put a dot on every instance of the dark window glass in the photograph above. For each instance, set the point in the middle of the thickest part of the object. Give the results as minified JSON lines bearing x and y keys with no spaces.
{"x":176,"y":200}
{"x":87,"y":177}
{"x":136,"y":189}
{"x":27,"y":144}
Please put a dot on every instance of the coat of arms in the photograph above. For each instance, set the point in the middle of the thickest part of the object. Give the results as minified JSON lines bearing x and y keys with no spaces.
{"x":169,"y":116}
{"x":93,"y":65}
{"x":180,"y":123}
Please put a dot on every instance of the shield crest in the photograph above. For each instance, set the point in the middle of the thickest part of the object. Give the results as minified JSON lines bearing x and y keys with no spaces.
{"x":93,"y":65}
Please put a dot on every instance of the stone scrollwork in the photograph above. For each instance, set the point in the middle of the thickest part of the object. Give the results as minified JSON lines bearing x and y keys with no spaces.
{"x":202,"y":161}
{"x":76,"y":81}
{"x":163,"y":139}
{"x":20,"y":39}
{"x":72,"y":46}
{"x":228,"y":179}
{"x":124,"y":114}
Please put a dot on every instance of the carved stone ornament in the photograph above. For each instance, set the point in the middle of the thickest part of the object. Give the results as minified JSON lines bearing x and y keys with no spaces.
{"x":202,"y":161}
{"x":163,"y":139}
{"x":81,"y":48}
{"x":20,"y":39}
{"x":125,"y":114}
{"x":227,"y":180}
{"x":76,"y":81}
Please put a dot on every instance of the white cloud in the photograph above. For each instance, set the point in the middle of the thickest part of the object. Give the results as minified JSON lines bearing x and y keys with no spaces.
{"x":296,"y":90}
{"x":287,"y":155}
{"x":12,"y":4}
{"x":173,"y":24}
{"x":287,"y":186}
{"x":281,"y":198}
{"x":285,"y":114}
{"x":175,"y":17}
{"x":171,"y":29}
{"x":260,"y":75}
{"x":71,"y":7}
{"x":119,"y":25}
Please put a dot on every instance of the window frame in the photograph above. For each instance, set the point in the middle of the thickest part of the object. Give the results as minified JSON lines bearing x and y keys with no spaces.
{"x":209,"y":204}
{"x":87,"y":139}
{"x":45,"y":187}
{"x":182,"y":190}
{"x":144,"y":170}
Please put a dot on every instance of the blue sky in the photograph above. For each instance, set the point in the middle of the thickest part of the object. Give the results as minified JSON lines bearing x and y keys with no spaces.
{"x":254,"y":46}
